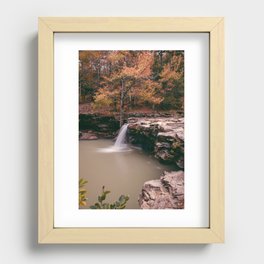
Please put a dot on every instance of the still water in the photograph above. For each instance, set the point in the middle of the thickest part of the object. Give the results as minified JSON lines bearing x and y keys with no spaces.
{"x":121,"y":172}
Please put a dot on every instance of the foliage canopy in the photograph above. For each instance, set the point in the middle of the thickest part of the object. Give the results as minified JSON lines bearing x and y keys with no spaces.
{"x":118,"y":81}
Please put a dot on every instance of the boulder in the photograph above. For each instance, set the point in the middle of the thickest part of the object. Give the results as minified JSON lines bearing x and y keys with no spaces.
{"x":87,"y":136}
{"x":164,"y":193}
{"x":163,"y":137}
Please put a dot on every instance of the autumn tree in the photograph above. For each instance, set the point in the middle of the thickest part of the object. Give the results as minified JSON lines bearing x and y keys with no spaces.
{"x":130,"y":77}
{"x":119,"y":81}
{"x":91,"y":67}
{"x":172,"y":80}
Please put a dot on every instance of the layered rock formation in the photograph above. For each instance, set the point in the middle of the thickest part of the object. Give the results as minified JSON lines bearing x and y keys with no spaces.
{"x":165,"y":193}
{"x":87,"y":135}
{"x":164,"y":137}
{"x":93,"y":126}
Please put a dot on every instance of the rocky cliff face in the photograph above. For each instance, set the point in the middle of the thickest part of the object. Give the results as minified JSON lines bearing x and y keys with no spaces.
{"x":93,"y":126}
{"x":164,"y":137}
{"x":165,"y":193}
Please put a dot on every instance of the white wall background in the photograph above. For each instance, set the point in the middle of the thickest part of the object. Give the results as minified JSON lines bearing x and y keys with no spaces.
{"x":244,"y":133}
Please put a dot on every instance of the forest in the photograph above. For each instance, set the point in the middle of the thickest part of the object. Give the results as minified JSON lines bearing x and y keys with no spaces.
{"x":131,"y":81}
{"x":131,"y":129}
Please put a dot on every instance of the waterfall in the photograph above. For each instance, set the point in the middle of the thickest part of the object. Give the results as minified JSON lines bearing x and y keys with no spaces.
{"x":121,"y":138}
{"x":120,"y":144}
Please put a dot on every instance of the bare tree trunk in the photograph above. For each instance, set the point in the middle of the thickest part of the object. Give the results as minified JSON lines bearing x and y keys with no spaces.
{"x":161,"y":59}
{"x":80,"y":94}
{"x":122,"y":102}
{"x":98,"y":75}
{"x":130,"y":101}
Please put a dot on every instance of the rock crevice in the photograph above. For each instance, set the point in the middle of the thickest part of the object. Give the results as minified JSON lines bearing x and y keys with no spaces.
{"x":163,"y":137}
{"x":164,"y":193}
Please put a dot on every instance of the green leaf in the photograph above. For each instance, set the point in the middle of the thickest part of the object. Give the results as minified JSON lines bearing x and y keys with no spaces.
{"x":103,"y":197}
{"x":119,"y":204}
{"x":98,"y":205}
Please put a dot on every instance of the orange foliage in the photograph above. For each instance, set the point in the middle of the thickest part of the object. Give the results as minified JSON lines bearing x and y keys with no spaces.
{"x":125,"y":79}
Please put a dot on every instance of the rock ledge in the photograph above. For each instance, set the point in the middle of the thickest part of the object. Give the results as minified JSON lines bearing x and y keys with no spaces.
{"x":163,"y":137}
{"x":165,"y":193}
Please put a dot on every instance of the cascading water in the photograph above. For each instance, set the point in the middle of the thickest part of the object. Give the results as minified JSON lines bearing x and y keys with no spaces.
{"x":120,"y":143}
{"x":121,"y":138}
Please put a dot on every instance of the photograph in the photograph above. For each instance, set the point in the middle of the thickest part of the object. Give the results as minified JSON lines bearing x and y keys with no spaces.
{"x":131,"y":129}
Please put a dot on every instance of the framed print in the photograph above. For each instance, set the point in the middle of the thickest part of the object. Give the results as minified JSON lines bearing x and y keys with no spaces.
{"x":131,"y":130}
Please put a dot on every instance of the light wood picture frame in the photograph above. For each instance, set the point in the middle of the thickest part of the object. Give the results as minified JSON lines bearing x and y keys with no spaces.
{"x":47,"y":233}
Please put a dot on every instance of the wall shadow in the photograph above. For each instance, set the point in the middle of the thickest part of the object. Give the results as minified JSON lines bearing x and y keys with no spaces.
{"x":32,"y":138}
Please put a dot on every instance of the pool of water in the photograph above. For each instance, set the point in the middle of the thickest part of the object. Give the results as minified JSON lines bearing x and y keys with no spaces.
{"x":121,"y":172}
